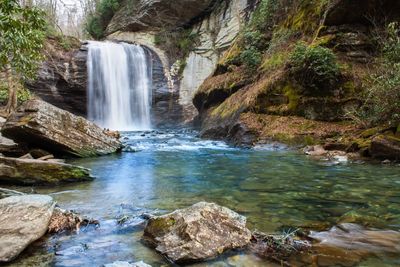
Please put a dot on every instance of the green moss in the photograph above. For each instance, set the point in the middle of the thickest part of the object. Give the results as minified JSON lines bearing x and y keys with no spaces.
{"x":349,"y":88}
{"x":325,"y":40}
{"x":275,"y":61}
{"x":293,"y":96}
{"x":294,"y":140}
{"x":362,"y":143}
{"x":307,"y":17}
{"x":370,"y":132}
{"x":161,"y":224}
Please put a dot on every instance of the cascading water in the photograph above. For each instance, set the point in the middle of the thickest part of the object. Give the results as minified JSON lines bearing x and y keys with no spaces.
{"x":119,"y":86}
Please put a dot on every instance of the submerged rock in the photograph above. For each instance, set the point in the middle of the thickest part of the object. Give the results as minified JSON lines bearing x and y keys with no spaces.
{"x":348,"y":244}
{"x":23,"y":220}
{"x":127,"y":264}
{"x":31,"y":171}
{"x":45,"y":126}
{"x":200,"y":232}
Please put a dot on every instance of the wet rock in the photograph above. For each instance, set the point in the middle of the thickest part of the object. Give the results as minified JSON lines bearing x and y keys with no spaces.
{"x":315,"y":150}
{"x":127,"y":264}
{"x":31,"y":171}
{"x":23,"y":220}
{"x":63,"y":220}
{"x":4,"y":192}
{"x":278,"y":248}
{"x":385,"y":147}
{"x":57,"y":131}
{"x":198,"y":233}
{"x":347,"y":244}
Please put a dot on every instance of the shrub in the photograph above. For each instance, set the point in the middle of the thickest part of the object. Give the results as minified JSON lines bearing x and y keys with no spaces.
{"x":382,"y":95}
{"x":251,"y":58}
{"x":96,"y":24}
{"x":23,"y":94}
{"x":315,"y":68}
{"x":255,"y":37}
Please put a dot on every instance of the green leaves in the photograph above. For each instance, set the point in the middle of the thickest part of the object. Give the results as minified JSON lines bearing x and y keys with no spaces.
{"x":22,"y":32}
{"x":315,"y":67}
{"x":97,"y":23}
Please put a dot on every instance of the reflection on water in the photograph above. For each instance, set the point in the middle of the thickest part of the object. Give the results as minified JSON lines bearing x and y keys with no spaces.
{"x":272,"y":186}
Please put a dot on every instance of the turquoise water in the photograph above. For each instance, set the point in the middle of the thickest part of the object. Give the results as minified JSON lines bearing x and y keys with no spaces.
{"x":273,"y":187}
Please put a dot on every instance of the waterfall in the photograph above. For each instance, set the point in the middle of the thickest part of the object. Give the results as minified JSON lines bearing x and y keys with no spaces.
{"x":119,"y":86}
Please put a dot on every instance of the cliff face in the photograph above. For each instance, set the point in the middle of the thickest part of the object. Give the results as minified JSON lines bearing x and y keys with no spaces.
{"x":62,"y":77}
{"x":216,"y":34}
{"x":295,"y":72}
{"x":214,"y":25}
{"x":149,"y":15}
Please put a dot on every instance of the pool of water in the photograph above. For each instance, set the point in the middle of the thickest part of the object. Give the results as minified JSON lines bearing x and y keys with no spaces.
{"x":272,"y":186}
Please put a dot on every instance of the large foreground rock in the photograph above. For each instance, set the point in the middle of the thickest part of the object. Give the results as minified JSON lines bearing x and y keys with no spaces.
{"x":200,"y":232}
{"x":23,"y":220}
{"x":43,"y":125}
{"x":31,"y":171}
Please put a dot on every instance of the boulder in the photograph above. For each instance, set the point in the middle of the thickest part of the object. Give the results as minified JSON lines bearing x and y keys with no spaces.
{"x":23,"y":220}
{"x":32,"y":172}
{"x":198,"y":233}
{"x":60,"y":132}
{"x":385,"y":147}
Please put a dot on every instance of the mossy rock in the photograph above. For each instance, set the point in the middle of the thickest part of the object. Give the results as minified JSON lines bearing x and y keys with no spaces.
{"x":38,"y":172}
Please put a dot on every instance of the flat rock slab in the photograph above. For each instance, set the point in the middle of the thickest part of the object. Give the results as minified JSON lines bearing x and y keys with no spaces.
{"x":23,"y":220}
{"x":32,"y":172}
{"x":42,"y":125}
{"x":200,"y":232}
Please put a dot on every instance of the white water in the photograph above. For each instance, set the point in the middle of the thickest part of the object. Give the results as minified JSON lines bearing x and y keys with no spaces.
{"x":119,"y":86}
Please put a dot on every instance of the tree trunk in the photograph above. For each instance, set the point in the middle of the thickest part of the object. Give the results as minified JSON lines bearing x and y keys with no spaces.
{"x":12,"y":91}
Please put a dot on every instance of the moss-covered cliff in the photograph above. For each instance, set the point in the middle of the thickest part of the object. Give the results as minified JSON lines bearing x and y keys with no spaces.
{"x":297,"y":71}
{"x":301,"y":72}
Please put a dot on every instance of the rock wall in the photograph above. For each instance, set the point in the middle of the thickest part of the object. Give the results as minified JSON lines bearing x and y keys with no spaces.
{"x":217,"y":33}
{"x":62,"y":77}
{"x":215,"y":23}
